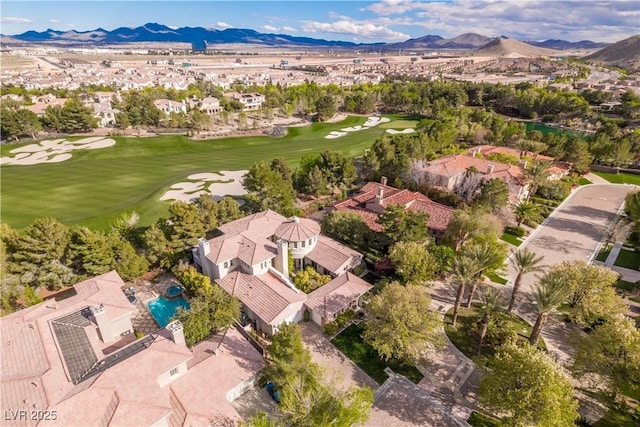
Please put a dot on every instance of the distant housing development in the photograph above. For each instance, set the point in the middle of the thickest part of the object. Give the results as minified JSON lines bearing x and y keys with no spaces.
{"x":250,"y":260}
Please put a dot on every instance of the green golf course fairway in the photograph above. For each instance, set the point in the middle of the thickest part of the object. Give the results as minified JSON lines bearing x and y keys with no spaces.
{"x":95,"y":186}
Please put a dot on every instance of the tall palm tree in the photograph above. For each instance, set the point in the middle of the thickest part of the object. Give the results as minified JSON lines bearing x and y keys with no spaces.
{"x":464,"y":270}
{"x":484,"y":257}
{"x":525,"y":262}
{"x":549,"y":294}
{"x":537,"y":174}
{"x":527,"y":210}
{"x":490,"y":302}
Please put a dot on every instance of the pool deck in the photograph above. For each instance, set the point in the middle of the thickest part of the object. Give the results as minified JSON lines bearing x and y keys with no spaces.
{"x":143,"y":321}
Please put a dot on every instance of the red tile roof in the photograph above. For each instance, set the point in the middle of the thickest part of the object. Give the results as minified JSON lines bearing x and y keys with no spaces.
{"x":439,"y":214}
{"x":333,"y":255}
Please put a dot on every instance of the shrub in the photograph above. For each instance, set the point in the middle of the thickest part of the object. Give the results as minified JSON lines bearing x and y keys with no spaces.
{"x":344,"y":318}
{"x":331,"y":328}
{"x":515,"y":231}
{"x":501,"y":331}
{"x":555,"y":190}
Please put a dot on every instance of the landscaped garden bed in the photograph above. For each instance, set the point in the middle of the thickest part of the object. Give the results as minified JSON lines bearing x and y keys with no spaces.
{"x":362,"y":354}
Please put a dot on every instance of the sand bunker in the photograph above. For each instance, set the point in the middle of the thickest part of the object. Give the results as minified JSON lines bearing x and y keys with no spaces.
{"x":226,"y":183}
{"x":371,"y":121}
{"x":395,"y":132}
{"x":53,"y":150}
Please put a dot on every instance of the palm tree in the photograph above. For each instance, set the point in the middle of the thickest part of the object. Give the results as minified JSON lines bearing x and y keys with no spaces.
{"x":527,"y":210}
{"x":525,"y":262}
{"x":483,"y":255}
{"x":465,"y":270}
{"x":549,"y":294}
{"x":537,"y":174}
{"x":490,"y":302}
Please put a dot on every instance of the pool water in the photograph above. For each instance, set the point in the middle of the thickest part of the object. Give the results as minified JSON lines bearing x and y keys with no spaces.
{"x":163,"y":309}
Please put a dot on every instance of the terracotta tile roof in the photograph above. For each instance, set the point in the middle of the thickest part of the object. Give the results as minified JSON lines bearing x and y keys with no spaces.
{"x":439,"y":215}
{"x":457,"y":164}
{"x":262,"y":224}
{"x":265,"y":295}
{"x":337,"y":294}
{"x":415,"y":201}
{"x":487,"y":150}
{"x":333,"y":255}
{"x":248,"y":248}
{"x":297,"y":229}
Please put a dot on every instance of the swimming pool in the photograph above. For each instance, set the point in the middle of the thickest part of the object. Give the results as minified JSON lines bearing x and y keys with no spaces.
{"x":163,"y":309}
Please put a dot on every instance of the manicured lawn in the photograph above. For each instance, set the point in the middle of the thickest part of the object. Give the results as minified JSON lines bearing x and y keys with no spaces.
{"x":95,"y":186}
{"x":603,"y":254}
{"x":510,"y":238}
{"x":626,"y":286}
{"x":496,"y":279}
{"x":464,"y":336}
{"x":350,"y":343}
{"x":628,"y":259}
{"x":583,"y":181}
{"x":399,"y":124}
{"x":620,"y":178}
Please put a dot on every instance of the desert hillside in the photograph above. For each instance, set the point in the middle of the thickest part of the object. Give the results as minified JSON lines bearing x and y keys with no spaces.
{"x":625,"y":53}
{"x":512,"y":48}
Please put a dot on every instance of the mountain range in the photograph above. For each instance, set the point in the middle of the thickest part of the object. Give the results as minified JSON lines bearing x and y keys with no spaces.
{"x":159,"y":33}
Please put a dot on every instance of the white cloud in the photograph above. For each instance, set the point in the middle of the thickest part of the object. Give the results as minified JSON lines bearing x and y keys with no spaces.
{"x":14,"y":20}
{"x":222,"y":25}
{"x":526,"y":19}
{"x":269,"y":28}
{"x":54,"y":21}
{"x":291,"y":29}
{"x":363,"y":29}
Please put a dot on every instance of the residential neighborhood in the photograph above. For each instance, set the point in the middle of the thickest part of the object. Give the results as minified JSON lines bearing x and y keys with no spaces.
{"x":301,"y":217}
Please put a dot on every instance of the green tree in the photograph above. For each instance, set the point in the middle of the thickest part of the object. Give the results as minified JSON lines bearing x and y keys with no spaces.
{"x":524,"y":262}
{"x":211,"y":311}
{"x":17,"y":123}
{"x":489,"y":254}
{"x":30,"y":296}
{"x":527,"y":211}
{"x":346,"y":226}
{"x":267,"y":190}
{"x":185,"y":225}
{"x":207,"y":212}
{"x":261,"y":419}
{"x":536,"y":175}
{"x":194,"y":282}
{"x":547,"y":296}
{"x":325,"y":107}
{"x":227,"y":210}
{"x":402,"y":325}
{"x":632,"y":206}
{"x":155,"y":243}
{"x":309,"y":279}
{"x":490,"y":303}
{"x":125,"y":226}
{"x":402,"y":225}
{"x":467,"y":224}
{"x":464,"y":270}
{"x":612,"y":350}
{"x":413,"y":262}
{"x":527,"y":387}
{"x":494,"y":193}
{"x":592,"y":294}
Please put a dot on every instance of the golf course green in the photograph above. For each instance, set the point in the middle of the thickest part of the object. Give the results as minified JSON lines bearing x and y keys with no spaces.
{"x":95,"y":186}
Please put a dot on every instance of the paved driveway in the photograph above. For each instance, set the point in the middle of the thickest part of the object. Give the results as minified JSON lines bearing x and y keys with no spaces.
{"x":575,"y":229}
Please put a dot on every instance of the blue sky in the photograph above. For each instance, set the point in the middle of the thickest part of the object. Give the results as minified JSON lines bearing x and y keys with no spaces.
{"x":359,"y":21}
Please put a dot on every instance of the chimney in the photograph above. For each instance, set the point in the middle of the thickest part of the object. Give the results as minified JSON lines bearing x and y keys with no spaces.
{"x":282,"y":258}
{"x":490,"y":169}
{"x":104,"y":326}
{"x":383,"y":180}
{"x":203,"y":247}
{"x":380,"y":195}
{"x":296,"y":219}
{"x":522,"y":164}
{"x":176,"y":331}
